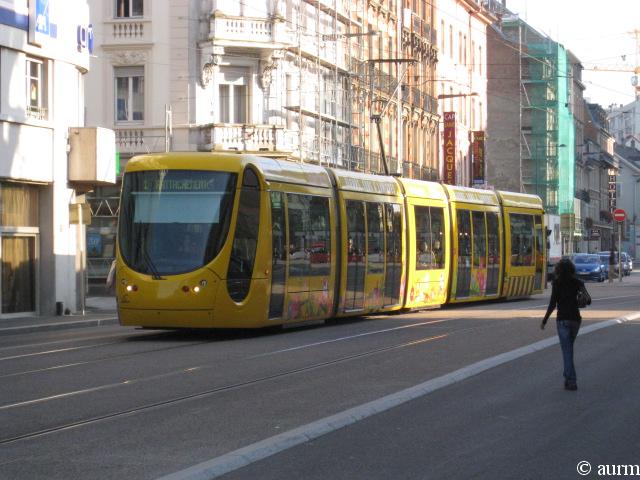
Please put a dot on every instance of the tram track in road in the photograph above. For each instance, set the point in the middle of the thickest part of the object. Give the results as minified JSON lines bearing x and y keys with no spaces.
{"x":125,"y":341}
{"x":193,"y":396}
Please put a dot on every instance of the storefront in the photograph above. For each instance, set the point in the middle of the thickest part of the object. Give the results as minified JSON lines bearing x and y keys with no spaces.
{"x":19,"y":242}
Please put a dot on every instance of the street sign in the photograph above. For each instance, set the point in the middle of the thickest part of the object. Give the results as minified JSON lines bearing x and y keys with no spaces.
{"x":619,"y":215}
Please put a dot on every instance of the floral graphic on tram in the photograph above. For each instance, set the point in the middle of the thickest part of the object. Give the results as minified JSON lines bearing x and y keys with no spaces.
{"x":309,"y":305}
{"x":428,"y":292}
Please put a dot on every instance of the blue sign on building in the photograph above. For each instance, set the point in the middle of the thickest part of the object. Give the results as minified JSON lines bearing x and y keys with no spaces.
{"x":43,"y":22}
{"x":85,"y":38}
{"x":40,"y":26}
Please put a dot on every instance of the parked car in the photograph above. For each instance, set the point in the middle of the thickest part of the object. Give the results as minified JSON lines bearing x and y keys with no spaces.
{"x":626,"y":260}
{"x":590,"y":267}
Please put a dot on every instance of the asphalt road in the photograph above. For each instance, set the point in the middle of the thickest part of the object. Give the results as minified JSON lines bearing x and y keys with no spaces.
{"x":113,"y":402}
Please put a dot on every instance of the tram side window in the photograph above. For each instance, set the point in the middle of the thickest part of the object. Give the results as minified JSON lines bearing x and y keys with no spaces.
{"x":375,"y":244}
{"x":479,"y":240}
{"x":429,"y":238}
{"x":319,"y":238}
{"x":309,"y":235}
{"x":493,"y":240}
{"x":243,"y":253}
{"x":464,"y":236}
{"x":522,"y":239}
{"x":298,"y":210}
{"x":355,"y":231}
{"x":437,"y":237}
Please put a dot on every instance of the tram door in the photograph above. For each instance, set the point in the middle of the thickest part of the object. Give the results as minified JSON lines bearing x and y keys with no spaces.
{"x":354,"y":293}
{"x":309,"y":293}
{"x":478,"y":283}
{"x":493,"y":251}
{"x":464,"y":253}
{"x":374,"y":284}
{"x":393,"y":277}
{"x":279,"y":255}
{"x":539,"y":240}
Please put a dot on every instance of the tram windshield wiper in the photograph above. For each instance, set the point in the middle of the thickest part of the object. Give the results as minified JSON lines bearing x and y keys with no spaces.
{"x":155,"y":274}
{"x":151,"y":266}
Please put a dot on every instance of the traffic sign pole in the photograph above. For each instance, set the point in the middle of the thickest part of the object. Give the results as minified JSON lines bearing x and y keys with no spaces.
{"x":619,"y":215}
{"x":620,"y":273}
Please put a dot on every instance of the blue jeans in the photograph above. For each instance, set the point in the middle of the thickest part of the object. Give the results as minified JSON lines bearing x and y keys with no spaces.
{"x":567,"y":333}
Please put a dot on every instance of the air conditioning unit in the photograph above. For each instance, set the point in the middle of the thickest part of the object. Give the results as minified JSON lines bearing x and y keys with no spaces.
{"x":92,"y":156}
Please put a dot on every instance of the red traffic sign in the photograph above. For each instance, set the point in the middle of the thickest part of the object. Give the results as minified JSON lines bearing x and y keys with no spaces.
{"x":619,"y":215}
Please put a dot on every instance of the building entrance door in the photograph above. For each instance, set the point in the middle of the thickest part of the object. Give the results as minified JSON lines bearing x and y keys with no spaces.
{"x":18,"y":274}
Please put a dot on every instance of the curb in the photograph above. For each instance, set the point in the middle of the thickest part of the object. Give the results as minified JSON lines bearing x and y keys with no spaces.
{"x":94,"y":322}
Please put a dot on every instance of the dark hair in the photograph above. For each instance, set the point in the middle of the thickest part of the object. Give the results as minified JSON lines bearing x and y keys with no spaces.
{"x":564,"y":270}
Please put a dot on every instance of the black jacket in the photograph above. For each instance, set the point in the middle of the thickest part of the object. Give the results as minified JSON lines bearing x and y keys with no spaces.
{"x":563,"y":294}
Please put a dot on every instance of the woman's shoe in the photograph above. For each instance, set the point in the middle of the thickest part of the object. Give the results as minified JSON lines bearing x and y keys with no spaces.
{"x":570,"y":386}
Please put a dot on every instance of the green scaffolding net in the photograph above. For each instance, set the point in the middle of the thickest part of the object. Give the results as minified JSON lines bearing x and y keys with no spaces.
{"x":552,"y":132}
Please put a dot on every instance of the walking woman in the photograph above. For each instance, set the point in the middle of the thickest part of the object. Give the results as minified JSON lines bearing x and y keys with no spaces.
{"x":564,"y":292}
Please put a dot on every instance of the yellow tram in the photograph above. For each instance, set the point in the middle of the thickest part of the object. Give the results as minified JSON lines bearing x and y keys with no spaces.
{"x":210,"y":240}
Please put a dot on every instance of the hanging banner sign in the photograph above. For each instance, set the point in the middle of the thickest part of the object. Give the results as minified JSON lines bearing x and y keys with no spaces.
{"x":477,"y":151}
{"x":449,"y":148}
{"x":612,"y":189}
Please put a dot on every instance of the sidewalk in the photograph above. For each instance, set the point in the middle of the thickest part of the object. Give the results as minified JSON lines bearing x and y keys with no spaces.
{"x":98,"y":311}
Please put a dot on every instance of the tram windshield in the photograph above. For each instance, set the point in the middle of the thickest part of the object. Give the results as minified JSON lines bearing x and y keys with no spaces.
{"x":174,"y":221}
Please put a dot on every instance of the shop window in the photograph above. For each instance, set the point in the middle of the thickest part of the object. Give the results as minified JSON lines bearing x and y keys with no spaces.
{"x":129,"y":8}
{"x":36,"y":75}
{"x":18,"y":205}
{"x":129,"y":85}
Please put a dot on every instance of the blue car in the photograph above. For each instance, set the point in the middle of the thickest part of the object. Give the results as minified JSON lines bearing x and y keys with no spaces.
{"x":590,"y":267}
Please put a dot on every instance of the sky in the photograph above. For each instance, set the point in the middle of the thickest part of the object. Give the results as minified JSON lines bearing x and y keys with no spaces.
{"x":599,"y":33}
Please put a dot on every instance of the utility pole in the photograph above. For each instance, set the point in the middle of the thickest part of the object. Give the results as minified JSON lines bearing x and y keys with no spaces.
{"x":377,"y":118}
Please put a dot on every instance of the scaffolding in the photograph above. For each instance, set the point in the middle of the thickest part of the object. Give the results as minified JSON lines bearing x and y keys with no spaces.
{"x":342,"y":68}
{"x":547,"y":149}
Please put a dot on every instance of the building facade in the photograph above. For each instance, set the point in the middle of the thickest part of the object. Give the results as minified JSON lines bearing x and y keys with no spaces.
{"x":600,"y":179}
{"x":624,"y":122}
{"x":628,"y":192}
{"x":462,"y":87}
{"x":299,"y":79}
{"x":531,"y":140}
{"x":44,"y":55}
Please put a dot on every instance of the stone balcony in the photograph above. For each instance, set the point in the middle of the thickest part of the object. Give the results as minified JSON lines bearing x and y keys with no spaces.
{"x":267,"y":33}
{"x":127,"y":31}
{"x":245,"y":137}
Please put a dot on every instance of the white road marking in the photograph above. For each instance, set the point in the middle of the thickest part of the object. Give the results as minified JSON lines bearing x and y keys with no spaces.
{"x":351,"y":337}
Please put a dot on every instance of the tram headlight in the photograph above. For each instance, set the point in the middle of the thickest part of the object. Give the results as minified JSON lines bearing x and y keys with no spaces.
{"x":132,"y":288}
{"x":196,"y":289}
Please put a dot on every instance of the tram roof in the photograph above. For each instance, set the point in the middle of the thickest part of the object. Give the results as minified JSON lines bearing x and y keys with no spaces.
{"x":521,"y":200}
{"x":365,"y":182}
{"x":422,"y":189}
{"x":471,"y":195}
{"x":286,"y":171}
{"x":273,"y":170}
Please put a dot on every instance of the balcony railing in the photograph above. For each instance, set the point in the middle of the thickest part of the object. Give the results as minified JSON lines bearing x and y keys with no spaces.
{"x":39,"y":113}
{"x":127,"y":31}
{"x":246,"y":138}
{"x":254,"y":31}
